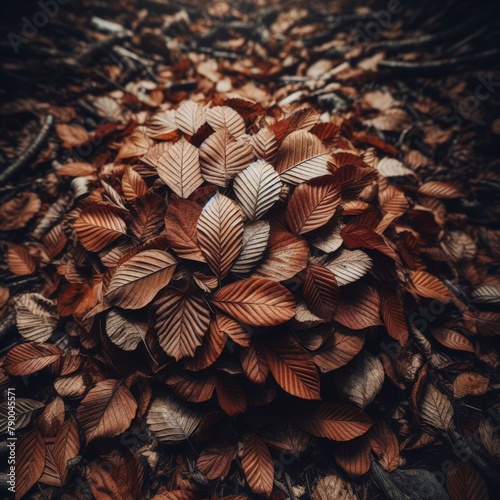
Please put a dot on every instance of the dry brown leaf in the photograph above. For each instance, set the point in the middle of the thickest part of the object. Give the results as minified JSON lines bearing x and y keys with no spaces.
{"x":182,"y":319}
{"x":256,"y":301}
{"x":220,"y":232}
{"x":107,"y":410}
{"x":140,"y":278}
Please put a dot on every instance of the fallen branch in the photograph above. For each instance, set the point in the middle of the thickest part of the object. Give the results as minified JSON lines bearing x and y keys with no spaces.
{"x":30,"y":152}
{"x":439,"y":66}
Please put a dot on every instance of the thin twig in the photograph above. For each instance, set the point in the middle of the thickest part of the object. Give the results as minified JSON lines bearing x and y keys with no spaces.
{"x":30,"y":152}
{"x":439,"y":66}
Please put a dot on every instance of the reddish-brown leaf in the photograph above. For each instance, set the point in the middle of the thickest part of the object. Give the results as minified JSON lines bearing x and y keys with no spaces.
{"x":30,"y":357}
{"x":354,"y":456}
{"x":359,"y":307}
{"x":29,"y":462}
{"x":292,"y":367}
{"x":286,"y":256}
{"x":182,"y":319}
{"x":257,"y":465}
{"x":107,"y":410}
{"x":464,"y":482}
{"x":312,"y":204}
{"x":333,"y":420}
{"x":321,"y":292}
{"x":181,"y":220}
{"x":215,"y":461}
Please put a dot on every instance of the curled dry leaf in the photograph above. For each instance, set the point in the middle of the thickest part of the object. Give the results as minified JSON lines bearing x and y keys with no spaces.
{"x":18,"y":211}
{"x":333,"y":486}
{"x":29,"y":358}
{"x":140,"y":278}
{"x":181,"y":222}
{"x":124,"y":332}
{"x":36,"y":316}
{"x":470,"y":384}
{"x":256,"y":301}
{"x":215,"y":461}
{"x":338,"y":350}
{"x":301,"y":157}
{"x":20,"y":261}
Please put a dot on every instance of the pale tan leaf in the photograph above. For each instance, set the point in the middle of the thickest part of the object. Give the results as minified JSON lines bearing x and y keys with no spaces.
{"x":171,"y":420}
{"x":220,"y":231}
{"x":107,"y":410}
{"x":72,"y":135}
{"x":182,"y":319}
{"x":133,"y":185}
{"x":36,"y":316}
{"x":24,"y":409}
{"x":97,"y":227}
{"x":162,"y":125}
{"x":330,"y":240}
{"x":361,"y":380}
{"x":436,"y":409}
{"x":140,"y":278}
{"x":179,"y":168}
{"x":189,"y":117}
{"x":222,"y":157}
{"x":124,"y":332}
{"x":349,"y":266}
{"x":256,"y":301}
{"x":257,"y":188}
{"x":390,"y":167}
{"x":332,"y":487}
{"x":254,"y":244}
{"x":486,"y":294}
{"x":265,"y":145}
{"x":224,"y":117}
{"x":458,"y":245}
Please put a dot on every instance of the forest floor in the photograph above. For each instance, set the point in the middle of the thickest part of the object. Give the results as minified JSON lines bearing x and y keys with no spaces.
{"x":413,"y":82}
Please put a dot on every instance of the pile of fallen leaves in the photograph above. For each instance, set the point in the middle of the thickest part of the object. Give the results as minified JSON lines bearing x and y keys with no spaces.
{"x":216,"y":297}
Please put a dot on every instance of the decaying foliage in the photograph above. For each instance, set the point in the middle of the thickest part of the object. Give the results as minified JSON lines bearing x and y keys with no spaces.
{"x":240,"y":282}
